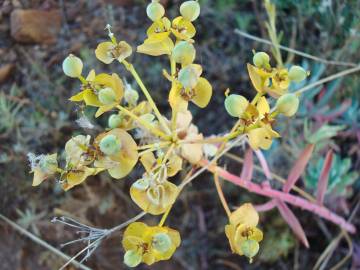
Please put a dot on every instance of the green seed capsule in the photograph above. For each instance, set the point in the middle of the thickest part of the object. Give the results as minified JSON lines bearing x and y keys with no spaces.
{"x":236,"y":105}
{"x":297,"y":74}
{"x":107,"y":96}
{"x":189,"y":76}
{"x":110,"y":145}
{"x":114,"y":120}
{"x":131,"y":96}
{"x":287,"y":104}
{"x":250,"y":248}
{"x":184,"y":53}
{"x":155,"y":11}
{"x":72,"y":66}
{"x":161,"y":242}
{"x":132,"y":258}
{"x":261,"y":60}
{"x":190,"y":10}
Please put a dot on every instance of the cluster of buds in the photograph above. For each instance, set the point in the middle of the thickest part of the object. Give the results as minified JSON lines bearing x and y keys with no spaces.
{"x":256,"y":117}
{"x":138,"y":132}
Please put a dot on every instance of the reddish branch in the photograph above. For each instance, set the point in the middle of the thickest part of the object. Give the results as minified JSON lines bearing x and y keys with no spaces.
{"x":267,"y":191}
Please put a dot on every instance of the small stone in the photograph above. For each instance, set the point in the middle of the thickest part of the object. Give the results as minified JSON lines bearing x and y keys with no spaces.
{"x":35,"y":26}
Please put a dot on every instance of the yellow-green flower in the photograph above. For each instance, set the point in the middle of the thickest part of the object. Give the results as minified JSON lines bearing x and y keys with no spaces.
{"x":173,"y":164}
{"x":260,"y":132}
{"x":104,"y":91}
{"x":160,"y":27}
{"x":79,"y":154}
{"x":182,"y":29}
{"x":262,"y":137}
{"x":274,"y":81}
{"x":242,"y":232}
{"x":153,"y":195}
{"x":122,"y":160}
{"x":76,"y":150}
{"x":190,"y":87}
{"x":77,"y":175}
{"x":43,"y":167}
{"x":192,"y":152}
{"x":157,"y":45}
{"x":109,"y":51}
{"x":147,"y":244}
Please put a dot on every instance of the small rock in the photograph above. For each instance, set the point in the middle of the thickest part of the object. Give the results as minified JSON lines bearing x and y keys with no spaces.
{"x":35,"y":26}
{"x":5,"y":72}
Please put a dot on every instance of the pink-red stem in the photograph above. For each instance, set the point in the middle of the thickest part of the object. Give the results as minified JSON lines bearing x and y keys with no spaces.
{"x":267,"y":191}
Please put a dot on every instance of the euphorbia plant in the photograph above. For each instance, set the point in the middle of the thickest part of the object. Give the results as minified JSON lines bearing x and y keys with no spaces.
{"x":139,"y":133}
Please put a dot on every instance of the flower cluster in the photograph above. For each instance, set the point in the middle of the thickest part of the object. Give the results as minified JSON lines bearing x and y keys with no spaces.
{"x":256,"y":118}
{"x":147,"y":244}
{"x":243,"y":235}
{"x":138,"y":132}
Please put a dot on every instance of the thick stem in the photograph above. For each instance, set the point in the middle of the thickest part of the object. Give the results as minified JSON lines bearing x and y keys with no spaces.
{"x":285,"y":197}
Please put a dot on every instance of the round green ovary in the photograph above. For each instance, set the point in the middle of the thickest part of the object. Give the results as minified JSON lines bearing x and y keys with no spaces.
{"x":72,"y":66}
{"x":161,"y":242}
{"x":297,"y":74}
{"x":155,"y":11}
{"x":190,"y":10}
{"x":184,"y":53}
{"x":110,"y":145}
{"x":114,"y":120}
{"x":107,"y":96}
{"x":132,"y":258}
{"x":188,"y":77}
{"x":250,"y":248}
{"x":287,"y":104}
{"x":236,"y":105}
{"x":261,"y":60}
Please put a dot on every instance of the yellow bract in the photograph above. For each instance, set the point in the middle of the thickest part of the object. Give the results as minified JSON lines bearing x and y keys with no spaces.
{"x":173,"y":164}
{"x":262,"y":137}
{"x":242,"y":230}
{"x":191,"y":151}
{"x":108,"y":51}
{"x":46,"y":167}
{"x":274,"y":81}
{"x":197,"y":89}
{"x":152,"y":244}
{"x":159,"y":42}
{"x":156,"y":45}
{"x":260,"y":132}
{"x":121,"y":163}
{"x":153,"y":196}
{"x":76,"y":149}
{"x":91,"y":89}
{"x":182,"y":28}
{"x":77,"y":175}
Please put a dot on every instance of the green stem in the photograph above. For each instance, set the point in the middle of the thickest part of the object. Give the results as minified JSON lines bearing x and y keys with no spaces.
{"x":174,"y":112}
{"x":152,"y":129}
{"x":133,"y":72}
